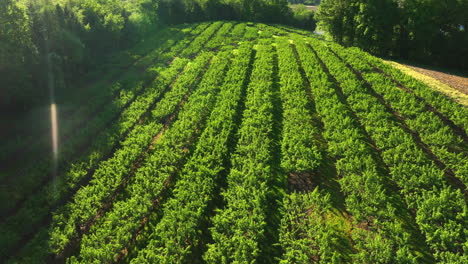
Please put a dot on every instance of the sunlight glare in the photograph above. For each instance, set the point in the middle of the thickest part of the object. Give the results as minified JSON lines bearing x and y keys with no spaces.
{"x":53,"y":121}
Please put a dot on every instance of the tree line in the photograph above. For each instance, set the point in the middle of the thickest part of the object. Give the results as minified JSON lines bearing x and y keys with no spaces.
{"x":266,"y":11}
{"x":429,"y":31}
{"x":47,"y":44}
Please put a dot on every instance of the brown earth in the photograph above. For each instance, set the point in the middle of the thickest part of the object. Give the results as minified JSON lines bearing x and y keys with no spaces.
{"x":301,"y":181}
{"x":458,"y":82}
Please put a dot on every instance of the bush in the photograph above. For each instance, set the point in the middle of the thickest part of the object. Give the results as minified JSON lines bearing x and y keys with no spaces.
{"x":303,"y":17}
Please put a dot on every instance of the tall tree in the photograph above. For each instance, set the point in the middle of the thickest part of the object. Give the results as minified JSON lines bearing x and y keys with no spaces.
{"x":374,"y":25}
{"x":337,"y":18}
{"x":429,"y":31}
{"x":16,"y":51}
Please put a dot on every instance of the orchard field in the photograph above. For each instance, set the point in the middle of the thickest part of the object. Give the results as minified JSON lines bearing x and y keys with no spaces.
{"x":229,"y":142}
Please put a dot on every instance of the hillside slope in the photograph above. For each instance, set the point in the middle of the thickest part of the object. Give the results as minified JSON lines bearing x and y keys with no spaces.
{"x":242,"y":142}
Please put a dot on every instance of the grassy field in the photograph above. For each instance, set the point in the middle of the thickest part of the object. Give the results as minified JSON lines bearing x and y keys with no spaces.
{"x":240,"y":142}
{"x":453,"y":86}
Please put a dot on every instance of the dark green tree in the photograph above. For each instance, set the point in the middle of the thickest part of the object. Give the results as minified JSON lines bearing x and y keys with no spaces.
{"x":16,"y":51}
{"x":428,"y":31}
{"x":337,"y":18}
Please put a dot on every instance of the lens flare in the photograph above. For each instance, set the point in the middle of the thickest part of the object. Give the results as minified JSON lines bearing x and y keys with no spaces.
{"x":54,"y":125}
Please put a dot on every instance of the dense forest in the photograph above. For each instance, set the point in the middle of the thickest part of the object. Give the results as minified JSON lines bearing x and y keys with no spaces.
{"x":428,"y":31}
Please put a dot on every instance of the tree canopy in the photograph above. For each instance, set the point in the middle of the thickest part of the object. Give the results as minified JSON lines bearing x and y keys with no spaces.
{"x":70,"y":38}
{"x":66,"y":38}
{"x":429,"y":31}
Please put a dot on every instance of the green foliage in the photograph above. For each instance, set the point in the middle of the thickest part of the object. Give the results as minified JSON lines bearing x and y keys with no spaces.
{"x":179,"y":11}
{"x":137,"y":138}
{"x":116,"y":228}
{"x":128,"y":93}
{"x":428,"y":31}
{"x":16,"y":51}
{"x":180,"y":163}
{"x":239,"y":228}
{"x":336,"y":17}
{"x":409,"y":164}
{"x":367,"y":199}
{"x":444,"y":143}
{"x":87,"y":200}
{"x":177,"y":235}
{"x":302,"y":18}
{"x":456,"y":112}
{"x":299,"y":147}
{"x":307,"y":233}
{"x":15,"y":32}
{"x":53,"y":43}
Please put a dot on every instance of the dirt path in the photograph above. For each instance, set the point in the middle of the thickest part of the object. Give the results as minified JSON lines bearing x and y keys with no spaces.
{"x":458,"y":82}
{"x":313,"y":8}
{"x":308,"y":7}
{"x":454,"y":86}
